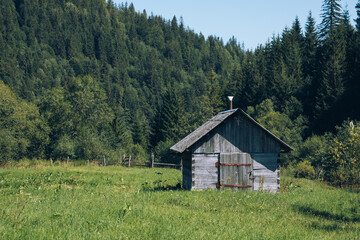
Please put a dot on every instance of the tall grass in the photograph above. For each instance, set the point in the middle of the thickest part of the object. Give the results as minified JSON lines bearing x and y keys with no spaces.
{"x":119,"y":203}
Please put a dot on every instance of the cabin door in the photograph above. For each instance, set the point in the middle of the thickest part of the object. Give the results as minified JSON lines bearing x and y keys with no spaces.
{"x":204,"y":170}
{"x":235,"y":171}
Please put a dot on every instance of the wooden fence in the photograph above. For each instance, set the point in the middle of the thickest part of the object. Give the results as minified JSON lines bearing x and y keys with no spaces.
{"x":126,"y":160}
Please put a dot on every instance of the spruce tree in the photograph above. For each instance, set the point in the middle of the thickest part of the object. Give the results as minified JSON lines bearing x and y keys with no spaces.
{"x":353,"y":64}
{"x":310,"y":60}
{"x":331,"y":86}
{"x":214,"y":93}
{"x":310,"y":46}
{"x":235,"y":85}
{"x":331,"y":16}
{"x":333,"y":56}
{"x":170,"y":117}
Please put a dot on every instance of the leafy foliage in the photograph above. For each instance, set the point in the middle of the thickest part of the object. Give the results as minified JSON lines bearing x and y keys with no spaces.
{"x":316,"y":150}
{"x":23,"y":131}
{"x":305,"y":170}
{"x":345,"y":156}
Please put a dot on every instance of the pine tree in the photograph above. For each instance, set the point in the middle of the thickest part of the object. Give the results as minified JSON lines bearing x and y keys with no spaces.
{"x":350,"y":103}
{"x":214,"y":93}
{"x":138,"y":130}
{"x":235,"y":86}
{"x":310,"y":46}
{"x":311,"y":43}
{"x":331,"y":16}
{"x":170,"y":117}
{"x":331,"y":86}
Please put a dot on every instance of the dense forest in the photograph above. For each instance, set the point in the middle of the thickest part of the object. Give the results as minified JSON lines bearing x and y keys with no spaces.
{"x":88,"y":78}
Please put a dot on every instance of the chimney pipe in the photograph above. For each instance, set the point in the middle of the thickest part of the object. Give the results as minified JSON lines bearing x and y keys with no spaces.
{"x":231,"y":98}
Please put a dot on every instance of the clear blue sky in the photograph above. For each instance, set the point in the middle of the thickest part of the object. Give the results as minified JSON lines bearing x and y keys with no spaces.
{"x":251,"y":22}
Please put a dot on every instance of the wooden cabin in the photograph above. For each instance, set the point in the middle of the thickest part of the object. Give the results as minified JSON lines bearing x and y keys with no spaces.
{"x":231,"y":150}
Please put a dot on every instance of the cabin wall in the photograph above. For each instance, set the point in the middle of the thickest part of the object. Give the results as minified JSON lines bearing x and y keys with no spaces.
{"x":266,"y":172}
{"x":239,"y":134}
{"x":204,"y":171}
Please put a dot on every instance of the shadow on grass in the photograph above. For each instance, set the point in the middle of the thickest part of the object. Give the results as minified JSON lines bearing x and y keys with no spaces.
{"x":160,"y":185}
{"x":310,"y":211}
{"x":340,"y":222}
{"x":332,"y":226}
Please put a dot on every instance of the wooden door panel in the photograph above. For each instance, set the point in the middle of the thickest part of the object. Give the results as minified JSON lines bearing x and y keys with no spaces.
{"x":204,"y":170}
{"x":235,"y":171}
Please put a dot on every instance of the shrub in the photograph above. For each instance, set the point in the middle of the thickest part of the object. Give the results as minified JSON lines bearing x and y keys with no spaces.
{"x":316,"y":150}
{"x":305,"y":170}
{"x":164,"y":154}
{"x":344,"y":164}
{"x":138,"y":153}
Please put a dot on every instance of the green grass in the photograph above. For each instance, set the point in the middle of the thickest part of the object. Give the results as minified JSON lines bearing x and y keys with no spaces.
{"x":120,"y":203}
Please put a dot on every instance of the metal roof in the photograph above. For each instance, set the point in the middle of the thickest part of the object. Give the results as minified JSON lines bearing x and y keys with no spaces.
{"x":201,"y":131}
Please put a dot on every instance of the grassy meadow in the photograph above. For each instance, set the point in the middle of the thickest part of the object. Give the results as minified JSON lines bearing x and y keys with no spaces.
{"x":93,"y":202}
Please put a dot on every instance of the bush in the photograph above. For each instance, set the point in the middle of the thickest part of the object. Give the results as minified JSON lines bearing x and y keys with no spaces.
{"x":316,"y":150}
{"x":164,"y":154}
{"x":138,"y":153}
{"x":305,"y":170}
{"x":344,"y":164}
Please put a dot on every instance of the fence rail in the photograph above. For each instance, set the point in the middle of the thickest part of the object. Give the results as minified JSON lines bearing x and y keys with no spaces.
{"x":127,"y":161}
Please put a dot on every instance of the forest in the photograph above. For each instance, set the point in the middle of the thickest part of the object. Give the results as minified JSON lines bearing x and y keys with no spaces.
{"x":89,"y":78}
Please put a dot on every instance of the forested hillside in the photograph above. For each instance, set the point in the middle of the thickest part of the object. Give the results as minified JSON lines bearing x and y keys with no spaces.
{"x":88,"y":78}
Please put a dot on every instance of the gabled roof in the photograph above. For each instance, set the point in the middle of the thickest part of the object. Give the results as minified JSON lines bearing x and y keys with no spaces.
{"x":201,"y":131}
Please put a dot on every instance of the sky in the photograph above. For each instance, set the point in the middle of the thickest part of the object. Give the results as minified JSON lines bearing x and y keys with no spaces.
{"x":251,"y":22}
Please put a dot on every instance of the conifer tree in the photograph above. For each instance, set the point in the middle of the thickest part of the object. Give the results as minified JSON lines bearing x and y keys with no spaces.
{"x":214,"y":93}
{"x":331,"y":86}
{"x":235,"y":85}
{"x":170,"y":117}
{"x":331,"y":16}
{"x":310,"y":60}
{"x":333,"y":56}
{"x":310,"y":46}
{"x":138,"y":130}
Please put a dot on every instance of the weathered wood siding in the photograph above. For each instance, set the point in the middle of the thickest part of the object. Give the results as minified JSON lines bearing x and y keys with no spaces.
{"x":238,"y":134}
{"x":236,"y":175}
{"x":204,"y":171}
{"x":266,"y":171}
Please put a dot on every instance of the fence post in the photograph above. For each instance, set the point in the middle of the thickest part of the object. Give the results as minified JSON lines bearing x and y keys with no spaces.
{"x":152,"y":160}
{"x":52,"y":162}
{"x":181,"y":164}
{"x":119,"y":158}
{"x":88,"y":162}
{"x":123,"y":160}
{"x":129,"y":160}
{"x":67,"y":161}
{"x":104,"y":160}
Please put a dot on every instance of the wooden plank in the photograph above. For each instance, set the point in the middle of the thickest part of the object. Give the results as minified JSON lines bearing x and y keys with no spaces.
{"x":237,"y":186}
{"x":233,"y":164}
{"x":199,"y":180}
{"x":205,"y":185}
{"x":236,"y":170}
{"x":266,"y":181}
{"x":204,"y":165}
{"x":204,"y":171}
